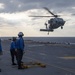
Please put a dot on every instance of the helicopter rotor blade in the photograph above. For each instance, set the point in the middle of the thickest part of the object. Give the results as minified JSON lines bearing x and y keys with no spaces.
{"x":50,"y":12}
{"x":41,"y":16}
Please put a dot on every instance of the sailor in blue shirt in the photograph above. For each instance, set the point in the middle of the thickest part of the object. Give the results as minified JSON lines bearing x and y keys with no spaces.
{"x":13,"y":50}
{"x":0,"y":47}
{"x":20,"y":49}
{"x":0,"y":50}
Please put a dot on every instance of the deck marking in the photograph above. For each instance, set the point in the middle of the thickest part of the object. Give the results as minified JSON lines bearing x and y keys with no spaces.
{"x":67,"y":57}
{"x":65,"y":69}
{"x":35,"y":45}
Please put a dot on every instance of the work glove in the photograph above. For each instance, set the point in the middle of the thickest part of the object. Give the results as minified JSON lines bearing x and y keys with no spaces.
{"x":16,"y":50}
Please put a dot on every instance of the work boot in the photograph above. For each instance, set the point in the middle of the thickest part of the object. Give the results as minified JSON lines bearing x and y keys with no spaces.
{"x":22,"y":62}
{"x":14,"y":64}
{"x":20,"y":68}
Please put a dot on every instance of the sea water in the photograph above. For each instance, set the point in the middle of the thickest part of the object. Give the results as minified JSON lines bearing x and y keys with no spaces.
{"x":47,"y":39}
{"x":52,"y":39}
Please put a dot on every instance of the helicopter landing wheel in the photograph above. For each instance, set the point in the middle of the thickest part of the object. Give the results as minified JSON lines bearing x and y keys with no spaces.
{"x":61,"y":27}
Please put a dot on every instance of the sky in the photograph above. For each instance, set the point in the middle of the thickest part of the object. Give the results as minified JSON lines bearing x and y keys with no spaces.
{"x":14,"y":17}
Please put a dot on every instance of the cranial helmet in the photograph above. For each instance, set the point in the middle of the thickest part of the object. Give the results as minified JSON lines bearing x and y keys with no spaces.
{"x":14,"y":38}
{"x":20,"y":34}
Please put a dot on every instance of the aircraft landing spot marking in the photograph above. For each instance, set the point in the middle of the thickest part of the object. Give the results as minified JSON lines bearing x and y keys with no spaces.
{"x":53,"y":65}
{"x":67,"y":57}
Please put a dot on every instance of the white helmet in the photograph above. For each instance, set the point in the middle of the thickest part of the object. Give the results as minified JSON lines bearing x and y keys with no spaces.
{"x":20,"y":34}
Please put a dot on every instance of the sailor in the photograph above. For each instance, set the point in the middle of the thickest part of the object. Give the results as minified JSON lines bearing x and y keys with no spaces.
{"x":20,"y":49}
{"x":0,"y":50}
{"x":13,"y":50}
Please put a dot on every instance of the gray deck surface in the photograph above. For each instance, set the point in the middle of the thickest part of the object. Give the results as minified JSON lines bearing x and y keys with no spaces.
{"x":59,"y":60}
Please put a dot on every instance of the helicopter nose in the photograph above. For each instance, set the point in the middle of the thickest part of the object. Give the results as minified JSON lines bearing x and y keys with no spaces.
{"x":64,"y":22}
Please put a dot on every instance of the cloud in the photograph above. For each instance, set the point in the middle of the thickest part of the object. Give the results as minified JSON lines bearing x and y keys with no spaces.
{"x":20,"y":21}
{"x":23,"y":5}
{"x":14,"y":16}
{"x":1,"y":6}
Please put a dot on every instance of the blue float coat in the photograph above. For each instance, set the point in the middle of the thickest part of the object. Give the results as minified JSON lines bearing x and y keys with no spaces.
{"x":20,"y":43}
{"x":13,"y":45}
{"x":0,"y":45}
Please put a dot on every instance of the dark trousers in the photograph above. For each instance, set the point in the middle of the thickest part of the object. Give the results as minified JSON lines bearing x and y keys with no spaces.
{"x":19,"y":57}
{"x":13,"y":55}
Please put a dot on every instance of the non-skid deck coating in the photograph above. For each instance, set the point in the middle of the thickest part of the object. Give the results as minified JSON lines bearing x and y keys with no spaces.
{"x":59,"y":59}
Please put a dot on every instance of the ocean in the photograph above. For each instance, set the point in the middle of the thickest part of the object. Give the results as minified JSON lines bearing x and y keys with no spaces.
{"x":52,"y":39}
{"x":48,"y":39}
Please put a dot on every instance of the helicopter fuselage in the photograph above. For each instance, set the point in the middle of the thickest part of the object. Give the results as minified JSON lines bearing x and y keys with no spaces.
{"x":55,"y":23}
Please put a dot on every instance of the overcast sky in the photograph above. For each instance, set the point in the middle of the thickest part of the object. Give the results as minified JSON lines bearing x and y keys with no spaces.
{"x":14,"y":17}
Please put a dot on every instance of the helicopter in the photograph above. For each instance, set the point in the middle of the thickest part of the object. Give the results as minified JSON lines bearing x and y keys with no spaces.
{"x":53,"y":23}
